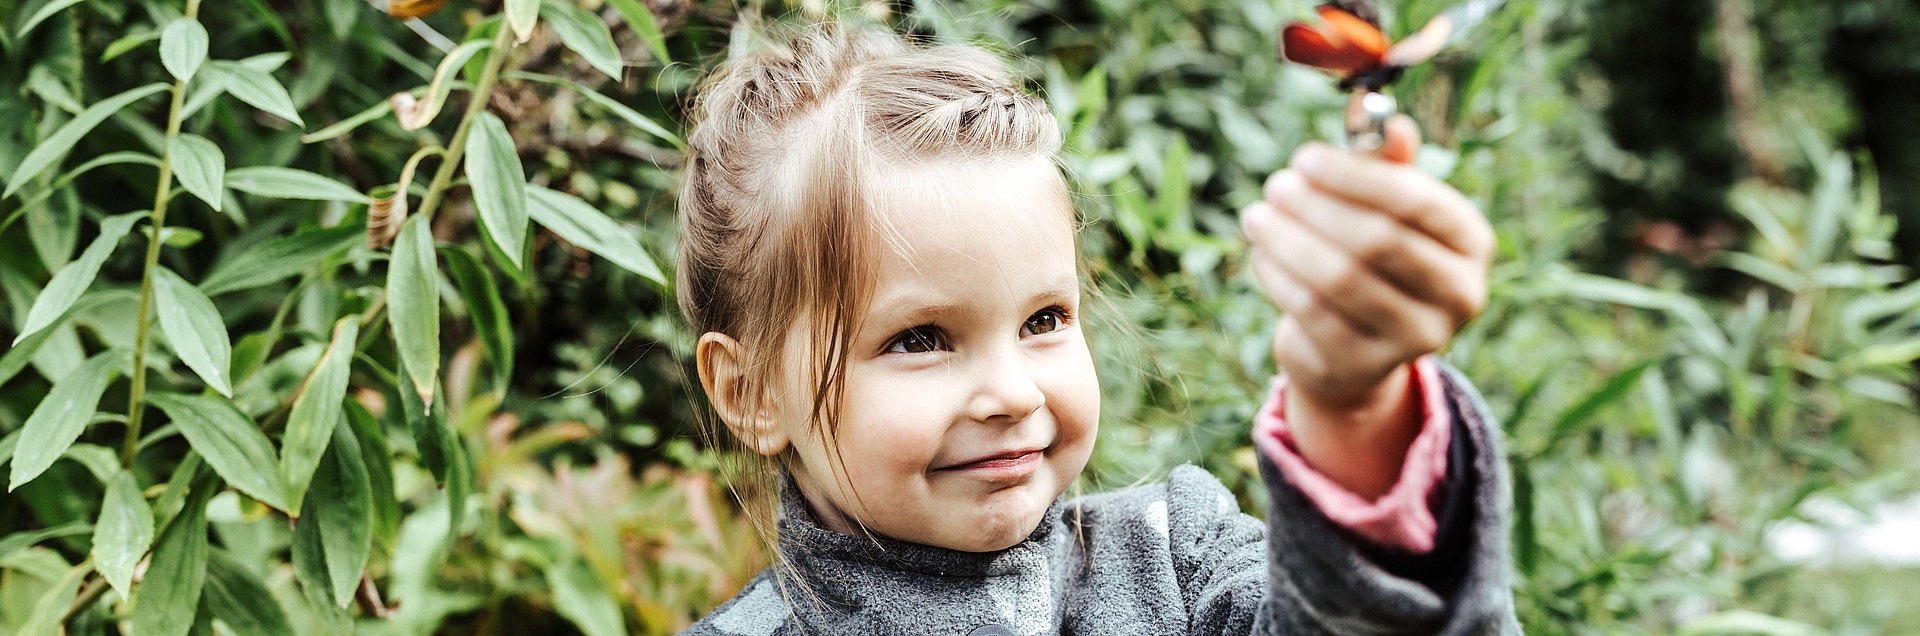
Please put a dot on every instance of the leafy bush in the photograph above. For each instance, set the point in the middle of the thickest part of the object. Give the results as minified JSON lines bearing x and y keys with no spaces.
{"x":412,"y":361}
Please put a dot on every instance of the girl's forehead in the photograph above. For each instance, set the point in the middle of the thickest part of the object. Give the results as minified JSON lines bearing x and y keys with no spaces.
{"x":951,"y":208}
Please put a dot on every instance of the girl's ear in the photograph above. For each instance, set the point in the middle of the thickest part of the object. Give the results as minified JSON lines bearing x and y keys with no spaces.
{"x":722,"y":364}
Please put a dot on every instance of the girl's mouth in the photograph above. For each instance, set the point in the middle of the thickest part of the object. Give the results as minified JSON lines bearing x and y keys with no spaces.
{"x":1007,"y":466}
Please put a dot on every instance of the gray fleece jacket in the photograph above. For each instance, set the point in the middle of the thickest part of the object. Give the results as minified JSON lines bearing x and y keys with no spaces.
{"x":1169,"y":558}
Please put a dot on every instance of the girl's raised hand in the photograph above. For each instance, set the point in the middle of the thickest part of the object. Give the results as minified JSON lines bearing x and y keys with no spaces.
{"x":1374,"y":263}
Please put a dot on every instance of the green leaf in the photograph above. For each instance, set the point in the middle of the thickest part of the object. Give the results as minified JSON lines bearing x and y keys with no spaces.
{"x":489,"y":314}
{"x":641,"y":19}
{"x":230,"y":443}
{"x":256,"y":87}
{"x":341,"y":512}
{"x":316,"y":411}
{"x":164,"y":603}
{"x":128,"y":43}
{"x":123,"y":533}
{"x":277,"y":258}
{"x":347,"y":125}
{"x":499,"y":185}
{"x":620,"y":110}
{"x":194,"y":329}
{"x":22,"y":352}
{"x":183,"y":46}
{"x":586,"y":34}
{"x":201,"y":166}
{"x":580,"y":597}
{"x":111,"y":158}
{"x":440,"y":448}
{"x":521,"y":16}
{"x":73,"y":279}
{"x":1615,"y":389}
{"x":289,"y":183}
{"x":581,"y":224}
{"x":20,"y":540}
{"x":46,"y":11}
{"x":62,"y":415}
{"x":53,"y":603}
{"x":241,"y":600}
{"x":372,"y":435}
{"x":413,"y":299}
{"x":56,"y":145}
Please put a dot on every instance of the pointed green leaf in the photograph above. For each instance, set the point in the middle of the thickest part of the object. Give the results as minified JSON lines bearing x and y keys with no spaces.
{"x":372,"y":435}
{"x":165,"y":602}
{"x":409,"y":110}
{"x":440,"y":448}
{"x":241,"y":600}
{"x":344,"y":515}
{"x":316,"y":411}
{"x":499,"y":185}
{"x":17,"y":358}
{"x":201,"y":166}
{"x":277,"y":258}
{"x":73,"y":279}
{"x":230,"y":443}
{"x":183,"y":46}
{"x":123,"y":533}
{"x":582,"y":599}
{"x":413,"y":300}
{"x":194,"y":328}
{"x":586,"y":34}
{"x":62,"y":415}
{"x":289,"y":183}
{"x":56,"y":145}
{"x":20,"y":540}
{"x":582,"y":225}
{"x":488,"y":312}
{"x":255,"y":87}
{"x":641,"y":20}
{"x":521,"y":16}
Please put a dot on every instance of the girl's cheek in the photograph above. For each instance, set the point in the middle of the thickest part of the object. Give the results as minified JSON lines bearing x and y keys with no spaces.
{"x":898,"y":418}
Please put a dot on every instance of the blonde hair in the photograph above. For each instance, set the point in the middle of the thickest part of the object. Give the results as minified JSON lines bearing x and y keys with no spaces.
{"x":773,"y":213}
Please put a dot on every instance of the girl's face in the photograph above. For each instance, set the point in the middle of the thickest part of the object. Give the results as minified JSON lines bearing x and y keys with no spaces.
{"x":971,"y":401}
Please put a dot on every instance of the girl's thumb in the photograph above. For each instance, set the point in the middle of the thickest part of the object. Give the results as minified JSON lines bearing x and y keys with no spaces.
{"x":1402,"y":142}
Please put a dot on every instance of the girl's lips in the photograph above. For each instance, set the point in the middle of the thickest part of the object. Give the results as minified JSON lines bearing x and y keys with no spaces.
{"x":1011,"y":466}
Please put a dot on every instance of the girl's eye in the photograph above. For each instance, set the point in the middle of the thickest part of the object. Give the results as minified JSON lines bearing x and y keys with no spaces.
{"x":923,"y":339}
{"x":1047,"y":320}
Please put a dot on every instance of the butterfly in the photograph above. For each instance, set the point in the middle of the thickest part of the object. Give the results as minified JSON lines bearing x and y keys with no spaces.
{"x":1351,"y":44}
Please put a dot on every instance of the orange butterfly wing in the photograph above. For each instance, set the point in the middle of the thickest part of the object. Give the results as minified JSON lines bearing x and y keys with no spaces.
{"x":1303,"y":44}
{"x":1349,"y":27}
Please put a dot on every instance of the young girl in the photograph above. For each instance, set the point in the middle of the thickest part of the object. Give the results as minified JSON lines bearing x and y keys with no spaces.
{"x":878,"y":249}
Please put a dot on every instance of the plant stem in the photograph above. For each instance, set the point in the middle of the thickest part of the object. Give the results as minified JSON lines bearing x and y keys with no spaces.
{"x":137,"y":395}
{"x":476,"y":103}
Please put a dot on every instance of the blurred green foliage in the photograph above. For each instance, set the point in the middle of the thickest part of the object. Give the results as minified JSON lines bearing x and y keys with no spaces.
{"x":1683,"y":349}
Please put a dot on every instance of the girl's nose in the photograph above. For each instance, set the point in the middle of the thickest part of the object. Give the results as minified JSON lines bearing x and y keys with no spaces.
{"x":1007,"y":389}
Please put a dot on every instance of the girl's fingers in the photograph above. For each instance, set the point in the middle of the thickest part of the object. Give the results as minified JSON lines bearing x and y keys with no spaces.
{"x":1399,"y":190}
{"x":1412,"y":261}
{"x":1342,"y":284}
{"x":1402,"y":142}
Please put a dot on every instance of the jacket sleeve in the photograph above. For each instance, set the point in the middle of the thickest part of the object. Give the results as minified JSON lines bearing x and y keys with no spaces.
{"x":1306,"y":574}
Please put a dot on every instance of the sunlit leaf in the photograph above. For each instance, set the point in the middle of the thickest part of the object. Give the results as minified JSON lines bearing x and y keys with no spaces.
{"x":62,"y":415}
{"x":72,"y":280}
{"x":201,"y":166}
{"x":521,"y":16}
{"x":123,"y":533}
{"x":499,"y":185}
{"x":255,"y":87}
{"x":194,"y":328}
{"x":315,"y":413}
{"x":289,"y":183}
{"x":229,"y":442}
{"x":586,"y":34}
{"x":53,"y":603}
{"x":413,"y":298}
{"x":183,"y":47}
{"x":581,"y":224}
